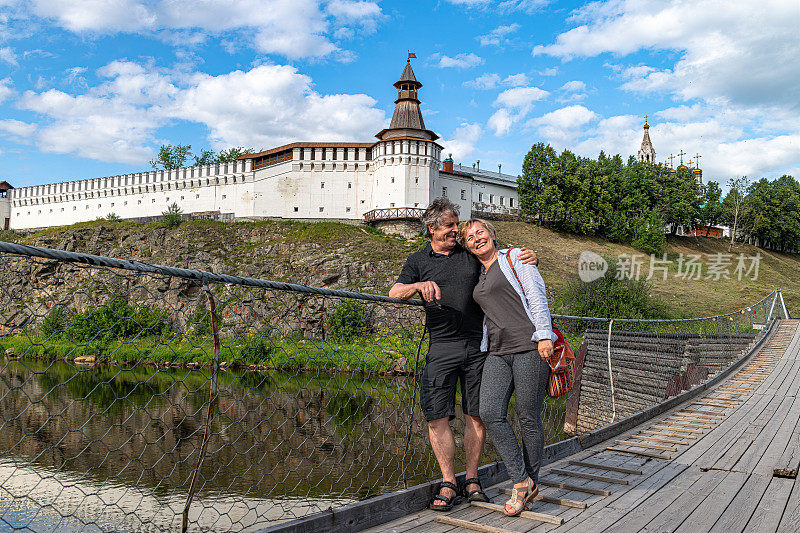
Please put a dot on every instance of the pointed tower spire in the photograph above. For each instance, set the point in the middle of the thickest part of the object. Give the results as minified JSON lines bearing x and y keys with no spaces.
{"x":407,"y":118}
{"x":647,"y":154}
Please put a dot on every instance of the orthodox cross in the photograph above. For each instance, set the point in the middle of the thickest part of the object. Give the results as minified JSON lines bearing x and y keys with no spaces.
{"x":697,"y":158}
{"x":682,"y":154}
{"x":671,"y":157}
{"x":645,"y":119}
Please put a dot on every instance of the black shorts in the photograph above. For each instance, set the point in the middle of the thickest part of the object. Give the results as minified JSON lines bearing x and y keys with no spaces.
{"x":447,"y":364}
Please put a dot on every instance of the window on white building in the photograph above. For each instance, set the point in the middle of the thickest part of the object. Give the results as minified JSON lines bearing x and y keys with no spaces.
{"x":491,"y":198}
{"x":181,"y":197}
{"x":510,"y":202}
{"x":416,"y":204}
{"x":501,"y":200}
{"x":154,"y":200}
{"x":463,"y":194}
{"x":296,"y":209}
{"x":196,"y":196}
{"x":223,"y":196}
{"x":416,"y":180}
{"x":322,"y":185}
{"x":444,"y":192}
{"x":391,"y":204}
{"x":347,"y":209}
{"x":349,"y":185}
{"x":480,"y":196}
{"x":321,"y":209}
{"x":392,"y":180}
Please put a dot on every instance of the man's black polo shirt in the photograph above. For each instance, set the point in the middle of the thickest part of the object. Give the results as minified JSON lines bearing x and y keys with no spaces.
{"x":456,"y":275}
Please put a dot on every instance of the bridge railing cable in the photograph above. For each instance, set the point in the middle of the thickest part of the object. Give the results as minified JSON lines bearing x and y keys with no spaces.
{"x":136,"y":396}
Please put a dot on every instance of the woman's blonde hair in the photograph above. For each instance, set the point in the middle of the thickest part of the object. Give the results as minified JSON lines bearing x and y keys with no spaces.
{"x":464,"y":227}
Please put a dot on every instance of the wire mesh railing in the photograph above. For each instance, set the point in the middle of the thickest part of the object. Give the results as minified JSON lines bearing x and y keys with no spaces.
{"x":141,"y":397}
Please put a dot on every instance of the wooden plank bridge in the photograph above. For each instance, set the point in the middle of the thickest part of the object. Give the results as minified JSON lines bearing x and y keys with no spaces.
{"x":725,"y":461}
{"x":722,"y":457}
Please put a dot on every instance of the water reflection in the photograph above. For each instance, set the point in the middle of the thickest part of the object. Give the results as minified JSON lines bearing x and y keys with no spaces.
{"x":116,"y":447}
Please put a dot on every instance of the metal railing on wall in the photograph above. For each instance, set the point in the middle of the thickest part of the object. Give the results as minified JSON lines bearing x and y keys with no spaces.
{"x":136,"y":396}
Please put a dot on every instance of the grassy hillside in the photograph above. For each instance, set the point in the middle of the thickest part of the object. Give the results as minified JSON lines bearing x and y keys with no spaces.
{"x":354,"y":257}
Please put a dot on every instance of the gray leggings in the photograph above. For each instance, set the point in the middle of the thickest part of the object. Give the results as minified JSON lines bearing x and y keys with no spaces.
{"x":525,"y":375}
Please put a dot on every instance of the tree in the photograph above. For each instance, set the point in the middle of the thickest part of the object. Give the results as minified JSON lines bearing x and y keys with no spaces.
{"x":206,"y":157}
{"x":680,"y":197}
{"x":232,"y":154}
{"x":536,"y":170}
{"x":733,"y":204}
{"x":710,"y":209}
{"x":173,"y":215}
{"x":171,"y":157}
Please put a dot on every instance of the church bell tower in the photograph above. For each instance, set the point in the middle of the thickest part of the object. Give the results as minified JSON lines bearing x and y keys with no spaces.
{"x":647,"y":154}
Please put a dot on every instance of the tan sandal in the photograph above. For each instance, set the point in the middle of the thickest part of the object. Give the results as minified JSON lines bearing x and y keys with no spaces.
{"x":520,"y":499}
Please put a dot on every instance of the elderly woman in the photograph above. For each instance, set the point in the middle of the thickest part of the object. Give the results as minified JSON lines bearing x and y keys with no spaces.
{"x":518,"y":336}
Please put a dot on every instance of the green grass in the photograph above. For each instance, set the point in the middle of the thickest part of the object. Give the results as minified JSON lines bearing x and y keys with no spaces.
{"x":367,"y":354}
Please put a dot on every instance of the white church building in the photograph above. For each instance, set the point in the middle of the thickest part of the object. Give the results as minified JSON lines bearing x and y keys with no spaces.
{"x":392,"y":178}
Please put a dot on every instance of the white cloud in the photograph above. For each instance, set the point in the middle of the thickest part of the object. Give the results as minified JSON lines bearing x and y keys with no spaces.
{"x":274,"y":104}
{"x":516,"y":80}
{"x":573,"y":86}
{"x":520,"y":97}
{"x":268,"y":105}
{"x":8,"y":55}
{"x":5,"y":90}
{"x":725,"y":50}
{"x":17,"y":128}
{"x":552,"y":71}
{"x":292,"y":28}
{"x":527,"y":6}
{"x":463,"y":60}
{"x":491,"y":80}
{"x":501,"y":121}
{"x":563,"y":125}
{"x":463,"y":141}
{"x":498,"y":36}
{"x":487,"y":81}
{"x":514,"y":105}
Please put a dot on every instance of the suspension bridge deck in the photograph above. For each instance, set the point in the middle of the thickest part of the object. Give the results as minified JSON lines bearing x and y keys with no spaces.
{"x":723,"y":461}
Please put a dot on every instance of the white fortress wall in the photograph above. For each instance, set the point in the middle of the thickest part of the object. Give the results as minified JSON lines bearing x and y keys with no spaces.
{"x":458,"y":189}
{"x":403,"y":170}
{"x":494,"y":195}
{"x":5,"y":211}
{"x":226,"y":187}
{"x":317,"y":182}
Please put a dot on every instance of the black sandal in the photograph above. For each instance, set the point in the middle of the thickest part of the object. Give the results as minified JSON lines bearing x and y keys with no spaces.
{"x":448,"y":502}
{"x":475,"y":495}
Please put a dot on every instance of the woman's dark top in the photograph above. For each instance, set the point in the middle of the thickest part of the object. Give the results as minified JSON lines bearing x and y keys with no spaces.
{"x":509,"y":328}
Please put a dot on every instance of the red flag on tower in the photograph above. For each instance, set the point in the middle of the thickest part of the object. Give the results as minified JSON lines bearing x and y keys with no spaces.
{"x":412,"y":55}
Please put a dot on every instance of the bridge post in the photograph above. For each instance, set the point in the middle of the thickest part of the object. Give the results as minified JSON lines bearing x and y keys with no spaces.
{"x":783,"y":304}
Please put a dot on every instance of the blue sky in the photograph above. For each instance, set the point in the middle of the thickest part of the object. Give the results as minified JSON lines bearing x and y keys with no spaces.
{"x":93,"y":88}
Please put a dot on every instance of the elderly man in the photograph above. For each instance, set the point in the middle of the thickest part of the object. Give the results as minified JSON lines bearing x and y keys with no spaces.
{"x":445,"y":274}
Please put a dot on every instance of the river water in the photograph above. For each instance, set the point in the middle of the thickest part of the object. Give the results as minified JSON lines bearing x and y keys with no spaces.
{"x":114,"y":448}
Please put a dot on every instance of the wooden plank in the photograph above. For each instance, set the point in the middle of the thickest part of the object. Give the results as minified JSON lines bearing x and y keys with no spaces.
{"x":593,"y":477}
{"x":668,"y":434}
{"x":790,"y":521}
{"x":645,"y":445}
{"x":576,"y":488}
{"x":789,"y":462}
{"x":636,"y":452}
{"x":679,"y":429}
{"x":530,"y":515}
{"x":564,"y":502}
{"x":738,"y":513}
{"x":678,"y":423}
{"x":673,"y":499}
{"x":707,"y":414}
{"x":470,"y":525}
{"x":619,"y":469}
{"x":660,"y":439}
{"x":713,"y":403}
{"x":713,"y":504}
{"x":769,"y":513}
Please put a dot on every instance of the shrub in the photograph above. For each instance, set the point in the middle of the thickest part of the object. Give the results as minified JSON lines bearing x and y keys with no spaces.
{"x":113,"y":217}
{"x":173,"y":215}
{"x":257,"y":350}
{"x":648,"y":233}
{"x":612,"y":297}
{"x":118,"y":320}
{"x":54,"y":323}
{"x":200,"y":321}
{"x":347,"y":320}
